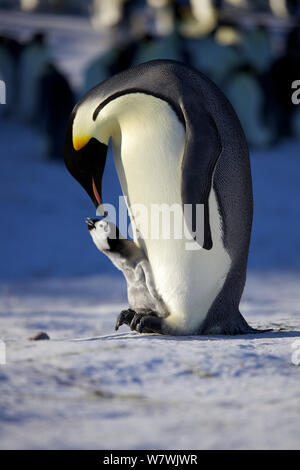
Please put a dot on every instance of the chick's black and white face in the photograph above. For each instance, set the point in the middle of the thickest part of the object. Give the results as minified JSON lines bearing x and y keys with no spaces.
{"x":100,"y":231}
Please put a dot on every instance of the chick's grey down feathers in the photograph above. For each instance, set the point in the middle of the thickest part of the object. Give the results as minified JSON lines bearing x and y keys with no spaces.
{"x":131,"y":260}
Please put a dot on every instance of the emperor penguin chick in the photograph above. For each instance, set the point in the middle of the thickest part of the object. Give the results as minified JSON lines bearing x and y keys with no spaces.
{"x":146,"y":308}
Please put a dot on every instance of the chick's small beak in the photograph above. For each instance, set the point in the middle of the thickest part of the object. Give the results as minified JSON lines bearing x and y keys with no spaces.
{"x":80,"y":141}
{"x":91,"y":223}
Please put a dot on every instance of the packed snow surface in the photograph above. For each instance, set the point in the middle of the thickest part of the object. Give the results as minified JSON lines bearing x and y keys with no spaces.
{"x":89,"y":387}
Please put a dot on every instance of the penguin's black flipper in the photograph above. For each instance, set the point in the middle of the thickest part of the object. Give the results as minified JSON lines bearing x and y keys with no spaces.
{"x":202,"y":151}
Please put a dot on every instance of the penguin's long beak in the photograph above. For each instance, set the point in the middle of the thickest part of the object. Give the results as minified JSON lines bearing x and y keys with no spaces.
{"x":85,"y":159}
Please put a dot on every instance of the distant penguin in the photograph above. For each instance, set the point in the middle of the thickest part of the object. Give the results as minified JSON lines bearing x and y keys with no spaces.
{"x":158,"y":47}
{"x":145,"y":305}
{"x":98,"y":69}
{"x":216,"y":60}
{"x":33,"y":62}
{"x":177,"y":141}
{"x":246,"y":95}
{"x":55,"y":102}
{"x":257,"y":48}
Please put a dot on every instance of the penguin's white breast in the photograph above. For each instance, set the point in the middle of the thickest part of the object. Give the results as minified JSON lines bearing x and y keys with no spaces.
{"x":148,"y":155}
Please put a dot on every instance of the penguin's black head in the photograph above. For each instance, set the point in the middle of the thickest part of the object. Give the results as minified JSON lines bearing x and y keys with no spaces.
{"x":85,"y":159}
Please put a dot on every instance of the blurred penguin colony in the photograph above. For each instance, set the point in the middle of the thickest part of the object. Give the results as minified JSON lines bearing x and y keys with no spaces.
{"x":250,"y":49}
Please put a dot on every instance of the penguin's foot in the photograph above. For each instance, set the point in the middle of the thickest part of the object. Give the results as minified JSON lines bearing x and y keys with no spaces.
{"x":143,"y":322}
{"x":148,"y":322}
{"x":237,"y":325}
{"x":125,"y":317}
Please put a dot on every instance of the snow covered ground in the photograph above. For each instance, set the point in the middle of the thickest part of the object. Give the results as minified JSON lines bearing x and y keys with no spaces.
{"x":89,"y":387}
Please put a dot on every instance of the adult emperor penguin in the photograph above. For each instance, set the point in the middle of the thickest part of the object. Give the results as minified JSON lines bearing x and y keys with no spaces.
{"x":176,"y":140}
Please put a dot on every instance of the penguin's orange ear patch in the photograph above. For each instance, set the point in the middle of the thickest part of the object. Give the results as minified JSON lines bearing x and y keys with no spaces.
{"x":96,"y":194}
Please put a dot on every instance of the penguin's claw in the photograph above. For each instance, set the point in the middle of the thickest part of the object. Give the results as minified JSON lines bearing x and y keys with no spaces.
{"x":136,"y":320}
{"x":126,"y":317}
